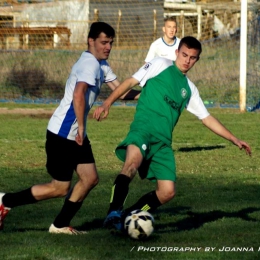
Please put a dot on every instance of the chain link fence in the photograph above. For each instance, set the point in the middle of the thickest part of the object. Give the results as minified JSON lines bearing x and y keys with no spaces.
{"x":41,"y":40}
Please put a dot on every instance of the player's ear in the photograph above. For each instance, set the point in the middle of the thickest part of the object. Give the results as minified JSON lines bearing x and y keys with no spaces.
{"x":90,"y":41}
{"x":163,"y":28}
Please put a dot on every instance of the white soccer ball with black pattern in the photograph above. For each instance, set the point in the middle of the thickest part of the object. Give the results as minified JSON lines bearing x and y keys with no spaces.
{"x":139,"y":224}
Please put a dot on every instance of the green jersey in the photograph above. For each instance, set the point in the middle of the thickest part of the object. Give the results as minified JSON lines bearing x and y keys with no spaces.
{"x":166,"y":92}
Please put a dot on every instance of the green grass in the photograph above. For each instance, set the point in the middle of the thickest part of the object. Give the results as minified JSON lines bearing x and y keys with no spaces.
{"x":216,"y":205}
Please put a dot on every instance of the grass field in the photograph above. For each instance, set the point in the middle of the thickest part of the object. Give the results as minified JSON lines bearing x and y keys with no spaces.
{"x":215,"y":214}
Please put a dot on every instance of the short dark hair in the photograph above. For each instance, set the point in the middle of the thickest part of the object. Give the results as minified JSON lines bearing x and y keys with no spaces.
{"x":191,"y":43}
{"x":100,"y":27}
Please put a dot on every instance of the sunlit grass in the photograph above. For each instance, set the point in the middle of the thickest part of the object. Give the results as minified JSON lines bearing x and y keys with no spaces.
{"x":216,"y":205}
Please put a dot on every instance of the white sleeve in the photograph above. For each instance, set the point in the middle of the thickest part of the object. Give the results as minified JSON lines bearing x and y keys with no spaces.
{"x":151,"y":53}
{"x":195,"y":104}
{"x":109,"y":75}
{"x":87,"y":74}
{"x":151,"y":69}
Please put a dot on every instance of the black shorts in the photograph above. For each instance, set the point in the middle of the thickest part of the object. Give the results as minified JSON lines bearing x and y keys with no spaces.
{"x":64,"y":155}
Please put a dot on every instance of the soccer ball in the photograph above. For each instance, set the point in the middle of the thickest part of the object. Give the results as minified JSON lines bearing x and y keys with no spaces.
{"x":139,"y":224}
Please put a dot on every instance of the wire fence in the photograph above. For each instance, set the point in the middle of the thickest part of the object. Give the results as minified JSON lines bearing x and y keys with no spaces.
{"x":41,"y":40}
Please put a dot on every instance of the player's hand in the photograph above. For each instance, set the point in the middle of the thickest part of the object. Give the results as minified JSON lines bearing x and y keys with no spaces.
{"x":99,"y":111}
{"x":79,"y":137}
{"x":244,"y":145}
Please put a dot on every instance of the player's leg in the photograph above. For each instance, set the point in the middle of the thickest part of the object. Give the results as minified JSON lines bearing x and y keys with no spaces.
{"x":36,"y":193}
{"x":31,"y":195}
{"x":161,"y":168}
{"x":87,"y":180}
{"x":152,"y":200}
{"x":58,"y":187}
{"x":132,"y":151}
{"x":85,"y":167}
{"x":121,"y":186}
{"x":165,"y":191}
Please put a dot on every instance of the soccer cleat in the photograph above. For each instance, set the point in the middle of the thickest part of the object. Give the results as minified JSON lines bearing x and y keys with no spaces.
{"x":66,"y":230}
{"x":114,"y":220}
{"x":3,"y":211}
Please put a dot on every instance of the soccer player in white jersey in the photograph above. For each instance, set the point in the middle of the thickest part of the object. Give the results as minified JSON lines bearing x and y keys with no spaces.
{"x":165,"y":46}
{"x":67,"y":145}
{"x":147,"y":147}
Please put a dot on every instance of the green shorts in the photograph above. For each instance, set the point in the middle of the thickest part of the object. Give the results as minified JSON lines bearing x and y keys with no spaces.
{"x":158,"y":158}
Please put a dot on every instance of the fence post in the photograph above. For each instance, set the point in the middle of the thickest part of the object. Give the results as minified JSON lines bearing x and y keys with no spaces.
{"x":154,"y":25}
{"x":182,"y":18}
{"x":118,"y":27}
{"x":199,"y":22}
{"x":243,"y":54}
{"x":96,"y":15}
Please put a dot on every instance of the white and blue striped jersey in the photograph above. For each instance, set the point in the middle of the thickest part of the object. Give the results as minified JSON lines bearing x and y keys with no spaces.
{"x":87,"y":69}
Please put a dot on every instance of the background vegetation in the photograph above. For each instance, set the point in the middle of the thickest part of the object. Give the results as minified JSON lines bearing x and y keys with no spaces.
{"x":40,"y":76}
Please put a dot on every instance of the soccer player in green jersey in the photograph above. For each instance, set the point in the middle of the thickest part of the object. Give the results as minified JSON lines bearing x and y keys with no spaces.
{"x":147,"y":148}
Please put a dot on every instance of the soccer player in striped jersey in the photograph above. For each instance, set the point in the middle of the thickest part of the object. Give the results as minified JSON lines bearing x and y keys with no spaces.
{"x":67,"y":145}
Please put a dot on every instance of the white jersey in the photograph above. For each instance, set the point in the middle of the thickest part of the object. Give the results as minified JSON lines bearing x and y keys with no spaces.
{"x":159,"y":48}
{"x":87,"y":69}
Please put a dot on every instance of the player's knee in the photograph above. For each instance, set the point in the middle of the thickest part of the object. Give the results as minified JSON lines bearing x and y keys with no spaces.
{"x":166,"y":195}
{"x":130,"y":169}
{"x":171,"y":195}
{"x":58,"y":188}
{"x":90,"y":181}
{"x":133,"y":169}
{"x":61,"y":191}
{"x":94,"y":181}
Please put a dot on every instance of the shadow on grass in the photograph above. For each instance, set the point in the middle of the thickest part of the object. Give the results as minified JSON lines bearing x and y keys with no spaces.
{"x":200,"y":148}
{"x":196,"y":220}
{"x":193,"y":221}
{"x":93,"y":225}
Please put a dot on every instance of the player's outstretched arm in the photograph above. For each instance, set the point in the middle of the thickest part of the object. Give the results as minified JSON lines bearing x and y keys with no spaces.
{"x":215,"y":126}
{"x":132,"y":94}
{"x":118,"y":92}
